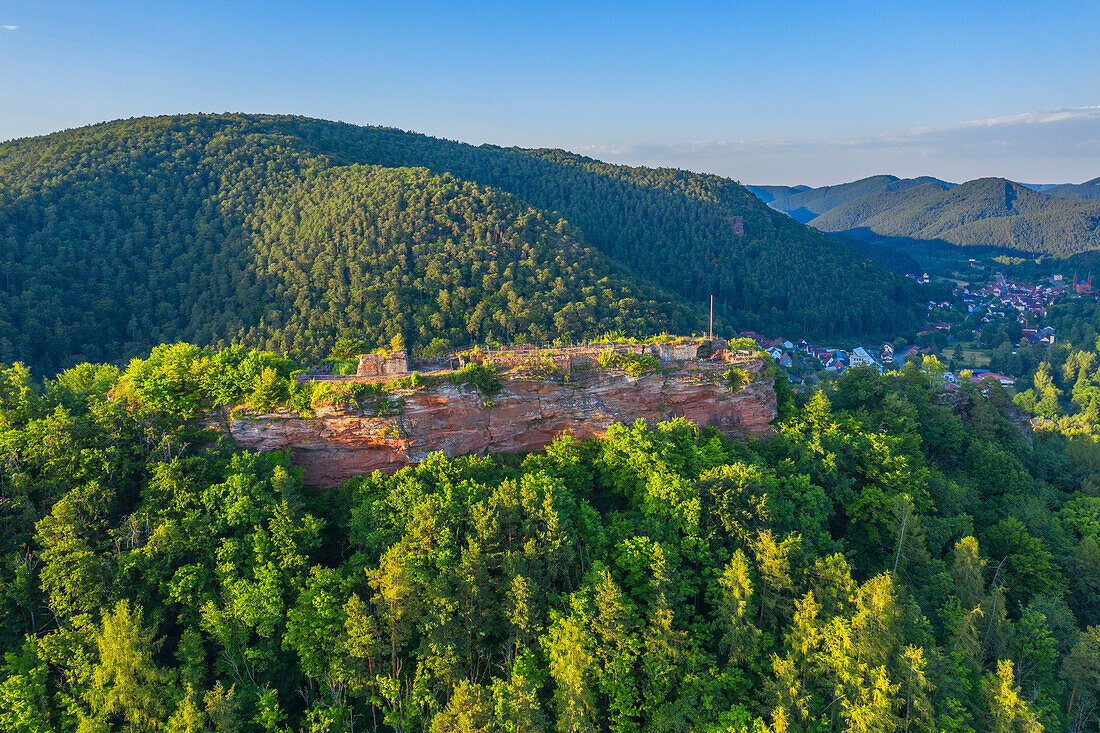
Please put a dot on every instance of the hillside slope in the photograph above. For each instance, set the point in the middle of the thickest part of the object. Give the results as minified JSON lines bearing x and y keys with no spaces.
{"x":855,"y":213}
{"x":125,"y":234}
{"x":807,"y":204}
{"x":1086,"y":190}
{"x":987,"y":212}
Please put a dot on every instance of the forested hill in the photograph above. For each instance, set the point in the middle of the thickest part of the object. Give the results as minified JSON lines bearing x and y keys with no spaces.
{"x":804,"y":204}
{"x":287,"y":233}
{"x":988,"y":211}
{"x":1086,"y":190}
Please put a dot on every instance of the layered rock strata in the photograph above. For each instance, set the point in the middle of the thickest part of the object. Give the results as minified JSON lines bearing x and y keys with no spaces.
{"x":527,"y":414}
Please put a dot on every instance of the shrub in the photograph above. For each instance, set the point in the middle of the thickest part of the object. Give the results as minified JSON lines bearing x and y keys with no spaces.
{"x":413,"y":381}
{"x":270,"y":391}
{"x":633,"y":364}
{"x":736,"y":377}
{"x":744,"y":344}
{"x":345,"y":368}
{"x":331,"y":393}
{"x":483,"y":377}
{"x":182,"y":379}
{"x":348,"y":349}
{"x":542,"y":367}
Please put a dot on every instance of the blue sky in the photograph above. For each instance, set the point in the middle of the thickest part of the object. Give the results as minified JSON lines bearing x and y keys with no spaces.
{"x":765,"y":92}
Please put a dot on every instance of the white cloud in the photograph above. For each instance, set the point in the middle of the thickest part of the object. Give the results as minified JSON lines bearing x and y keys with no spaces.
{"x":1052,"y":145}
{"x":1058,"y":114}
{"x":10,"y":27}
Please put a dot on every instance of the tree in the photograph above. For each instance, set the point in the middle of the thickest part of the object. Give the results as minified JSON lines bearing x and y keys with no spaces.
{"x":1008,"y":713}
{"x":735,"y":610}
{"x":966,"y":571}
{"x":516,"y":698}
{"x":1081,"y":670}
{"x":347,"y":349}
{"x":569,"y":646}
{"x":125,"y":682}
{"x":915,"y":689}
{"x":470,"y":710}
{"x":774,"y":560}
{"x":617,"y":646}
{"x":24,"y":701}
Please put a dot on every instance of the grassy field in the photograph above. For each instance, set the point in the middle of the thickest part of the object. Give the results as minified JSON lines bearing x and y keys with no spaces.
{"x":973,"y":357}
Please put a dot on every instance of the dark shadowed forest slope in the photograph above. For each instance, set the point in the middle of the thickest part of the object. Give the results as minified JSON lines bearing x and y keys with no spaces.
{"x":989,"y":212}
{"x":287,"y":233}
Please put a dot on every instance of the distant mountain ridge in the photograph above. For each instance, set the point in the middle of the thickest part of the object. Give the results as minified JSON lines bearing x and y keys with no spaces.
{"x":1086,"y":190}
{"x":777,"y":196}
{"x":806,"y":204}
{"x":993,"y":212}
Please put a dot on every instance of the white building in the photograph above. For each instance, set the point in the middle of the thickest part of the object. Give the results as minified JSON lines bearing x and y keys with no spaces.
{"x":860,"y":357}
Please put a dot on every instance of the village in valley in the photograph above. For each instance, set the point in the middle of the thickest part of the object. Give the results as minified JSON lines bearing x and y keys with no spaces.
{"x":992,"y":331}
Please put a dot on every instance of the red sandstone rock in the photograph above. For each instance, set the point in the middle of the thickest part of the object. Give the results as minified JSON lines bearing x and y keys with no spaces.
{"x":526,"y":415}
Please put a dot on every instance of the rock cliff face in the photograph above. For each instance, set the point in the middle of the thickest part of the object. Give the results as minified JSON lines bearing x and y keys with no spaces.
{"x":525,"y":415}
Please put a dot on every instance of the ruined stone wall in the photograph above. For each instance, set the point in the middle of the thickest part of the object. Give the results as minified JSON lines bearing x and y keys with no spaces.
{"x":378,"y":365}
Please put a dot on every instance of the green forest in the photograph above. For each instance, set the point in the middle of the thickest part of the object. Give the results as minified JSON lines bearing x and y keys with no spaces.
{"x":287,"y":234}
{"x":899,"y":556}
{"x":805,"y":204}
{"x":1064,"y":391}
{"x":987,"y":212}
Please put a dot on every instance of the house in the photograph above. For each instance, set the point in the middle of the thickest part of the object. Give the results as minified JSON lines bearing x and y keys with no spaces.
{"x":763,"y":341}
{"x":787,"y":345}
{"x":775,"y":353}
{"x":860,"y":357}
{"x":786,"y":361}
{"x":1005,"y":381}
{"x":1046,"y":335}
{"x":911,"y":353}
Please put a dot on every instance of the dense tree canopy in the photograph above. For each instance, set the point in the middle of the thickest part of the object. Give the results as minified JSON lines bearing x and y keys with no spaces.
{"x":897,"y":557}
{"x":987,"y":212}
{"x":288,"y":233}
